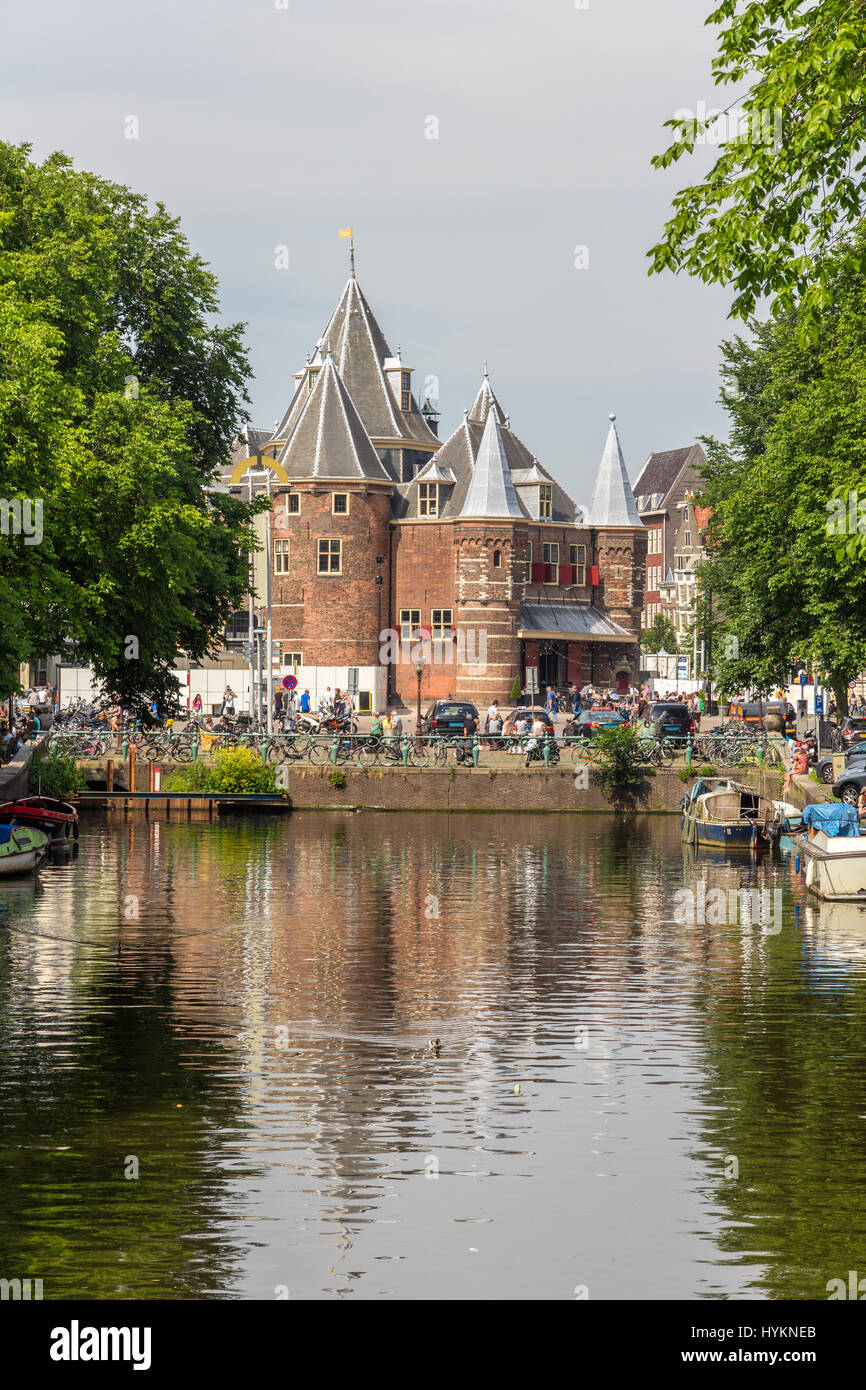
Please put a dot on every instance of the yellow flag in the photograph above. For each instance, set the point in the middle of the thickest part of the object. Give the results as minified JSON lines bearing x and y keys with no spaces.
{"x":346,"y":231}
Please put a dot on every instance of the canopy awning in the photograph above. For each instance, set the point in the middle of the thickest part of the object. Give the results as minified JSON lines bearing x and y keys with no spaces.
{"x":571,"y":622}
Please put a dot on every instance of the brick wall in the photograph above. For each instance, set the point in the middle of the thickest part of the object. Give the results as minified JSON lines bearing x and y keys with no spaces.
{"x":332,"y":619}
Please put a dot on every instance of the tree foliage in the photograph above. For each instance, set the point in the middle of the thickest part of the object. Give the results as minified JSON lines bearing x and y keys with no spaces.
{"x":660,"y":634}
{"x":119,"y":397}
{"x":788,"y":583}
{"x":773,"y":216}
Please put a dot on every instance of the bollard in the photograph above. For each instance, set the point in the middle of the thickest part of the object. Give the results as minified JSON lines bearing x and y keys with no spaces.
{"x":476,"y":750}
{"x":124,"y":749}
{"x":689,"y":751}
{"x":265,"y":749}
{"x":547,"y":752}
{"x":195,"y":748}
{"x":334,"y":752}
{"x":405,"y":751}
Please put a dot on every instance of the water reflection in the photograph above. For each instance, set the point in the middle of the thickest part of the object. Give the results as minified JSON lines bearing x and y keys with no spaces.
{"x":246,"y":1009}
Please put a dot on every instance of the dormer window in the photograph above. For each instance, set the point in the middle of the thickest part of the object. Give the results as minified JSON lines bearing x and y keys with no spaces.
{"x":312,"y":373}
{"x":405,"y":390}
{"x":545,"y":500}
{"x":428,"y":499}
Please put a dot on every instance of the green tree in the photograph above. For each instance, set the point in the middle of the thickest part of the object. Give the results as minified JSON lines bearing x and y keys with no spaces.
{"x":661,"y":633}
{"x":771,"y":216}
{"x":787,"y":581}
{"x":119,"y":397}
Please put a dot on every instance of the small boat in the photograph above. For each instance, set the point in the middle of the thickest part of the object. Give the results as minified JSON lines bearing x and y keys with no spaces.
{"x":56,"y":818}
{"x":22,"y":849}
{"x":834,"y":852}
{"x":723,"y":813}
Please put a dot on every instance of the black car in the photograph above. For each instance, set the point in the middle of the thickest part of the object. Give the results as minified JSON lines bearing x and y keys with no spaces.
{"x":850,"y":785}
{"x":855,"y":758}
{"x":592,"y":721}
{"x":670,"y":720}
{"x":448,"y":716}
{"x":530,"y":713}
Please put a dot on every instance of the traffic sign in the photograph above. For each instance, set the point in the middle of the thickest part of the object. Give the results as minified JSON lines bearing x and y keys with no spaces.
{"x":290,"y":682}
{"x":819,"y":704}
{"x":532,"y":680}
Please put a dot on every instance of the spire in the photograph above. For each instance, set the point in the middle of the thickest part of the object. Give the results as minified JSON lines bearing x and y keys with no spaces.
{"x":613,"y":500}
{"x":329,"y":439}
{"x":484,"y":400}
{"x":349,"y":232}
{"x":491,"y":487}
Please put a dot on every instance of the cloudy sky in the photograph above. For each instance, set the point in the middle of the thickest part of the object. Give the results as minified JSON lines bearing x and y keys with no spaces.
{"x":270,"y":123}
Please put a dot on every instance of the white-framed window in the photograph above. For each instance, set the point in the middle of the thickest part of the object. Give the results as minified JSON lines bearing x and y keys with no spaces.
{"x":293,"y":503}
{"x":550,"y":556}
{"x":330,"y":557}
{"x":687,"y":540}
{"x":577,"y":557}
{"x":405,"y":390}
{"x":545,"y":499}
{"x":340,"y":504}
{"x":428,"y":499}
{"x":440,"y":624}
{"x":410,"y":623}
{"x":293,"y":659}
{"x":281,"y":556}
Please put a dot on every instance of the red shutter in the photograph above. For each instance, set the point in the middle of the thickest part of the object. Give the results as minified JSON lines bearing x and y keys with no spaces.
{"x":593,"y":574}
{"x":550,"y":573}
{"x":568,"y":574}
{"x":538,"y":572}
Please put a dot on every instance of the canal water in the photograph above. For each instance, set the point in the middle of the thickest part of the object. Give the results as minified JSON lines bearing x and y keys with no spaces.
{"x":216,"y":1078}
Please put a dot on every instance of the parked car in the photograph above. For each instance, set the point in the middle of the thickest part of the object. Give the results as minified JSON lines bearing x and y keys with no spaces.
{"x":670,"y":720}
{"x":854,"y":758}
{"x":447,"y":717}
{"x":850,"y":785}
{"x":591,"y":722}
{"x":853,"y":729}
{"x":529,"y":713}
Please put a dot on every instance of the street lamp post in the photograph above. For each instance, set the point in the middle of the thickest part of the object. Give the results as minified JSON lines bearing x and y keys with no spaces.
{"x":380,"y":560}
{"x":419,"y":672}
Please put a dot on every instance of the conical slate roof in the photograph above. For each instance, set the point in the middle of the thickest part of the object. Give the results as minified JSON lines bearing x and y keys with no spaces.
{"x":360,"y":349}
{"x":483,"y":401}
{"x":613,"y":502}
{"x":329,"y":439}
{"x":491,"y":489}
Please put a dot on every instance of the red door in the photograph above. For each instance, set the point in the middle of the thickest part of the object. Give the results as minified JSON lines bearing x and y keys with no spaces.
{"x":622,"y":682}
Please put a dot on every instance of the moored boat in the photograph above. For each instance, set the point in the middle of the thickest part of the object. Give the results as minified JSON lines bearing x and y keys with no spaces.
{"x":723,"y":813}
{"x":834,"y":853}
{"x":58,"y":819}
{"x":22,"y":849}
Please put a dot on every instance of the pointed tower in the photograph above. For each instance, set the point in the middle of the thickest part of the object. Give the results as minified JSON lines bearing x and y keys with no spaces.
{"x":379,"y":383}
{"x":619,"y":543}
{"x":330,"y":521}
{"x":490,"y":548}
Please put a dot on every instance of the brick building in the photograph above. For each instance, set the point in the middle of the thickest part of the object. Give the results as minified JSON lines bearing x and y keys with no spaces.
{"x":667,"y":479}
{"x":391,"y":547}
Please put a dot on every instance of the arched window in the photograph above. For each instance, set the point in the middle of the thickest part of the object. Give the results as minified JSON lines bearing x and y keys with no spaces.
{"x":497,"y":559}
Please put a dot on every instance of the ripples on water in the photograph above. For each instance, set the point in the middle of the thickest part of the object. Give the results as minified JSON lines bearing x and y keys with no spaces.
{"x":620,"y":1101}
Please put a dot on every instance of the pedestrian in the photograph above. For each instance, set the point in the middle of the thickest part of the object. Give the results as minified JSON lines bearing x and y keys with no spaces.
{"x":396,"y":727}
{"x":494,"y":724}
{"x":551,"y":705}
{"x":463,"y":751}
{"x":196,"y":705}
{"x":228,"y":701}
{"x":279,"y":702}
{"x":305,"y":702}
